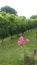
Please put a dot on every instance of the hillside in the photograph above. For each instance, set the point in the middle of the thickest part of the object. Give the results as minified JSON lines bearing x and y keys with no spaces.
{"x":12,"y":54}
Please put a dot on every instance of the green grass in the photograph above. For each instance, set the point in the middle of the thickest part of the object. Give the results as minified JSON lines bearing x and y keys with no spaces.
{"x":12,"y":54}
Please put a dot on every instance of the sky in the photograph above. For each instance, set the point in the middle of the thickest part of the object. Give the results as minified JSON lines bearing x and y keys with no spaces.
{"x":23,"y":7}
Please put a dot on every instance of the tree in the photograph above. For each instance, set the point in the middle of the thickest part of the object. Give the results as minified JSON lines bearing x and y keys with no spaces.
{"x":33,"y":16}
{"x":8,"y":9}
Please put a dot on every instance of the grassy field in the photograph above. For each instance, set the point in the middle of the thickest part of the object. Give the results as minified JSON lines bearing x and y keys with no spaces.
{"x":12,"y":54}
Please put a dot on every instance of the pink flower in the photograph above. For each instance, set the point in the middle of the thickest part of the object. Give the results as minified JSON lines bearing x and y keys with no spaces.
{"x":18,"y":43}
{"x":21,"y":40}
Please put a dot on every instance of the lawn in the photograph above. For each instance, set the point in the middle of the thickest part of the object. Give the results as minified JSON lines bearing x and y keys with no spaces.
{"x":12,"y":54}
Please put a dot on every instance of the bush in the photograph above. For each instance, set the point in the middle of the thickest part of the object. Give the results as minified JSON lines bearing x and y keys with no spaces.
{"x":11,"y":25}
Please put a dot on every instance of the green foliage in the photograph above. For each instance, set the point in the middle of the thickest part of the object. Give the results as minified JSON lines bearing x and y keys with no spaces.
{"x":11,"y":24}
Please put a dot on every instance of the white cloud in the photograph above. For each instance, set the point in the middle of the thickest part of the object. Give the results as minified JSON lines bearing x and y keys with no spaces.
{"x":23,"y":7}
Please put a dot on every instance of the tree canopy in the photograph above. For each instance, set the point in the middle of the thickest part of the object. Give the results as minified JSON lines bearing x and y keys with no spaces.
{"x":8,"y":9}
{"x":33,"y":16}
